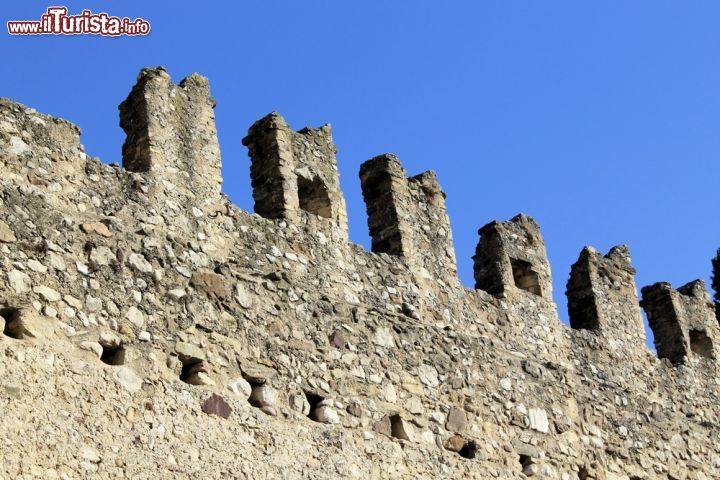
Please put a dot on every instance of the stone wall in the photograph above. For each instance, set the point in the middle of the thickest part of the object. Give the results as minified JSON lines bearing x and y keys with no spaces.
{"x":682,"y":320}
{"x":148,"y":332}
{"x":294,"y":174}
{"x":171,"y":136}
{"x":602,"y":296}
{"x":407,"y":217}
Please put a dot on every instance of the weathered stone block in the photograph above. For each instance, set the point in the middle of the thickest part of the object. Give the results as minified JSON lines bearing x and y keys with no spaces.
{"x":294,"y":174}
{"x":683,"y":320}
{"x":407,"y":215}
{"x":171,"y":135}
{"x":511,"y":255}
{"x":602,"y":295}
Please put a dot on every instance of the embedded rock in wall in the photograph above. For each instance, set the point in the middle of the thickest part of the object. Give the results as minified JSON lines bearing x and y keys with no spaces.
{"x":149,"y":325}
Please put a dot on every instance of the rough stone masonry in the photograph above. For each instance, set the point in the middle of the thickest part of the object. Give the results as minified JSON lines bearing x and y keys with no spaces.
{"x":151,"y":329}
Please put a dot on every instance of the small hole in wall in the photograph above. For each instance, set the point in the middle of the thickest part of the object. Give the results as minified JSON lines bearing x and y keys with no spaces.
{"x":256,"y":397}
{"x":113,"y":355}
{"x":469,"y":449}
{"x":397,"y":429}
{"x":189,"y":369}
{"x":525,"y":277}
{"x":525,"y":460}
{"x":701,"y":344}
{"x":10,"y":315}
{"x":583,"y":474}
{"x":314,"y":400}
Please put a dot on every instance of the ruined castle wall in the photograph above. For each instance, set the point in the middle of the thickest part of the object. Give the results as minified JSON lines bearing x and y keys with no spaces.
{"x":295,"y":175}
{"x":145,"y":337}
{"x":510,"y":262}
{"x":602,"y":297}
{"x":683,"y":320}
{"x":407,"y":218}
{"x":171,"y":136}
{"x":50,"y":168}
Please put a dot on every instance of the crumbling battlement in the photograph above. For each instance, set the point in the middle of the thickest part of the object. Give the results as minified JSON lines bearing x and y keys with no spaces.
{"x":407,"y":216}
{"x":151,"y":331}
{"x":171,"y":135}
{"x":21,"y":129}
{"x":602,"y":296}
{"x":511,"y":255}
{"x":294,"y":174}
{"x":682,"y":320}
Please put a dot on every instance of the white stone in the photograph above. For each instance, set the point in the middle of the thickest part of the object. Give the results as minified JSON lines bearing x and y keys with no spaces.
{"x":138,"y":263}
{"x":264,"y":395}
{"x":94,"y":347}
{"x":438,"y":417}
{"x":538,"y":420}
{"x":326,"y":414}
{"x":389,"y":393}
{"x":19,"y":281}
{"x":383,"y":338}
{"x":102,"y":255}
{"x":82,"y":268}
{"x":240,"y":387}
{"x":127,"y":379}
{"x":242,"y":296}
{"x":176,"y":293}
{"x":36,"y":266}
{"x":47,"y":293}
{"x":18,"y":147}
{"x":428,"y":375}
{"x":73,"y":302}
{"x":299,"y":403}
{"x":414,"y":405}
{"x":136,"y":317}
{"x":93,"y":304}
{"x":56,"y":261}
{"x":90,"y":454}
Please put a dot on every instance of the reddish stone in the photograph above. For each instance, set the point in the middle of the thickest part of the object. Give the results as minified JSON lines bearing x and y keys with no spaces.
{"x":216,"y":405}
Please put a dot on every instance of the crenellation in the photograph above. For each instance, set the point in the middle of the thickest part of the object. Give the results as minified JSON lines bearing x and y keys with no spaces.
{"x":387,"y":197}
{"x":407,"y":216}
{"x":602,"y":296}
{"x":294,"y":174}
{"x":510,"y":263}
{"x":683,"y":321}
{"x":276,"y":344}
{"x":171,"y":135}
{"x":511,"y":256}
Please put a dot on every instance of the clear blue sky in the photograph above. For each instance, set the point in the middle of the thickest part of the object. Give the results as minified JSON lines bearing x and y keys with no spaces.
{"x":599,"y":119}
